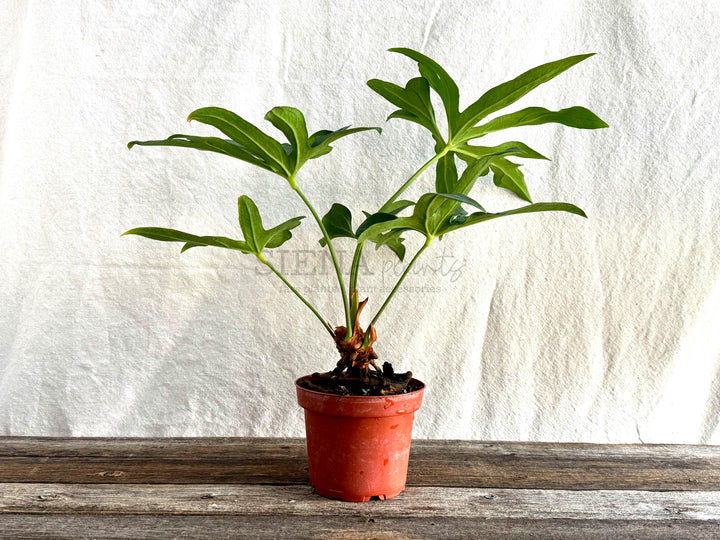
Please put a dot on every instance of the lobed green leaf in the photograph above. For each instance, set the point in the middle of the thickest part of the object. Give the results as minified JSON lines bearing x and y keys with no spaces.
{"x":338,"y":223}
{"x":446,"y":174}
{"x":319,"y":142}
{"x":512,"y":148}
{"x":413,"y":101}
{"x":479,"y":217}
{"x":255,"y":234}
{"x":249,"y":136}
{"x":208,"y":144}
{"x":190,"y":240}
{"x":577,"y":117}
{"x":440,"y":81}
{"x":291,"y":122}
{"x":508,"y":175}
{"x":509,"y":92}
{"x":392,"y":240}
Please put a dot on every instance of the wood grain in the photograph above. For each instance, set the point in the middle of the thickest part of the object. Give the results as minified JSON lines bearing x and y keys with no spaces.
{"x":88,"y":526}
{"x":257,"y":488}
{"x":432,"y":463}
{"x":415,"y":502}
{"x":221,"y":511}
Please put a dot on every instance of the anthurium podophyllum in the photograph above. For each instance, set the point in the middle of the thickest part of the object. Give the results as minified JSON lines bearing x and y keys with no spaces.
{"x":446,"y":209}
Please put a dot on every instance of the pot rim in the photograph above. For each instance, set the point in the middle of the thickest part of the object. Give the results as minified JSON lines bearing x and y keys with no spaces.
{"x":359,"y":406}
{"x":348,"y":396}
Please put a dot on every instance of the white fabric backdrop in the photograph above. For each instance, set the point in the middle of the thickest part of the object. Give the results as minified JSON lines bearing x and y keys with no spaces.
{"x":541,"y":327}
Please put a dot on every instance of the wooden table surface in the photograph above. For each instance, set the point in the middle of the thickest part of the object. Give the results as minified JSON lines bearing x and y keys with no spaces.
{"x":258,"y":488}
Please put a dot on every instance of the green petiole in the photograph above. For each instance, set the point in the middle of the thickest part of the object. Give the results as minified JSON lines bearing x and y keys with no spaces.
{"x":267,"y":263}
{"x":333,"y":255}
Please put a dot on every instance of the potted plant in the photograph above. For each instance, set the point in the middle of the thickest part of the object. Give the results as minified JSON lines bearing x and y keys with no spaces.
{"x":359,"y":414}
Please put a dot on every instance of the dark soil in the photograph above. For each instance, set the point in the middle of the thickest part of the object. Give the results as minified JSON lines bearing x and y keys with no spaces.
{"x":348,"y":383}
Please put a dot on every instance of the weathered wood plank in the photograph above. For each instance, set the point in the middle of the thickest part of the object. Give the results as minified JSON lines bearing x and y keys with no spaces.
{"x":230,"y":446}
{"x":416,"y":502}
{"x":87,"y":526}
{"x":128,"y":447}
{"x":432,"y":463}
{"x":566,"y":465}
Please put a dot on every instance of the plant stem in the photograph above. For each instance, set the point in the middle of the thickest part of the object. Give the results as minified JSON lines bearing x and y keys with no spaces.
{"x":355,"y":267}
{"x":341,"y":281}
{"x":397,"y":285}
{"x":414,"y":177}
{"x":359,"y":248}
{"x":267,"y":263}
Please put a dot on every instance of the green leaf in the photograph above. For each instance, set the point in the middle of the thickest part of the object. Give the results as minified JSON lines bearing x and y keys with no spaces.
{"x":292,"y":123}
{"x":208,"y":144}
{"x":320,"y":141}
{"x":256,"y":237}
{"x":396,"y":207}
{"x":251,"y":224}
{"x":434,"y":212}
{"x":446,"y":174}
{"x":479,"y":217}
{"x":338,"y":223}
{"x":392,"y":240}
{"x":413,"y":100}
{"x":430,"y":222}
{"x":398,"y":224}
{"x":338,"y":220}
{"x":577,"y":117}
{"x":372,"y":219}
{"x":249,"y":136}
{"x":512,"y":148}
{"x":476,"y":168}
{"x":509,"y":92}
{"x":280,"y":234}
{"x":440,"y":81}
{"x":190,"y":240}
{"x":418,"y":221}
{"x":402,"y":114}
{"x":508,"y":175}
{"x":462,"y":199}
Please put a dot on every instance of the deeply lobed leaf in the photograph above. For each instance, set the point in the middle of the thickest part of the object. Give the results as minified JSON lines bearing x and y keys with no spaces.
{"x":249,"y":136}
{"x":509,"y":92}
{"x":320,"y":141}
{"x":255,"y":234}
{"x":440,"y":81}
{"x":208,"y":144}
{"x":413,"y":101}
{"x":291,"y":122}
{"x":338,"y":224}
{"x":508,"y":175}
{"x":480,"y":217}
{"x":256,"y":237}
{"x":190,"y":240}
{"x":577,"y":117}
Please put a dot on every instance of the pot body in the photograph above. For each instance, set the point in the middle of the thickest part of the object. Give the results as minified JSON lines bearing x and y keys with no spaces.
{"x":358,"y":446}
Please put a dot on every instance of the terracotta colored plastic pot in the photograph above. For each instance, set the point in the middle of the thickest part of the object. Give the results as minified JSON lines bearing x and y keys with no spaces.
{"x":358,"y":446}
